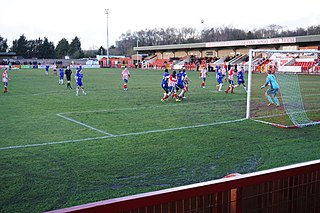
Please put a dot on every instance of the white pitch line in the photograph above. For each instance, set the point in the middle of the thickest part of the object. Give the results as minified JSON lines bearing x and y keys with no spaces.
{"x":83,"y":124}
{"x":283,"y":114}
{"x":151,"y":107}
{"x":121,"y":135}
{"x":180,"y":128}
{"x":52,"y":143}
{"x":160,"y":106}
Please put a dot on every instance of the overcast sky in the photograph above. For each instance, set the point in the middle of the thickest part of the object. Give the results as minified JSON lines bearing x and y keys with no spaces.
{"x":87,"y":19}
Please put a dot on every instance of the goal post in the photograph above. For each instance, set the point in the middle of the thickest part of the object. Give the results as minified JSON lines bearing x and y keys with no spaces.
{"x":298,"y":91}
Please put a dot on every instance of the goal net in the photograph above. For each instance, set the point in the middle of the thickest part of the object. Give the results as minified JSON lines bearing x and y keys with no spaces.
{"x":297,"y":101}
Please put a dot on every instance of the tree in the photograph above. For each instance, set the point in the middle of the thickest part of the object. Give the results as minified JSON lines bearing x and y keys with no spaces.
{"x":20,"y":46}
{"x":149,"y":37}
{"x":3,"y":44}
{"x":188,"y":35}
{"x":33,"y":48}
{"x":314,"y":30}
{"x":75,"y":48}
{"x":102,"y":51}
{"x":126,"y":43}
{"x":250,"y":35}
{"x":91,"y":53}
{"x":274,"y":30}
{"x":300,"y":32}
{"x":62,"y":48}
{"x":47,"y":49}
{"x":113,"y":50}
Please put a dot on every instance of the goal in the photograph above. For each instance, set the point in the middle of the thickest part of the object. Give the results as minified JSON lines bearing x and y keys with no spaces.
{"x":299,"y":87}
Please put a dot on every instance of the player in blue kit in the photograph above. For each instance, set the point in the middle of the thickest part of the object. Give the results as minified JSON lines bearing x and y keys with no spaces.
{"x":219,"y":78}
{"x":78,"y":77}
{"x":164,"y":83}
{"x":61,"y":75}
{"x":240,"y":75}
{"x":273,"y":90}
{"x":218,"y":67}
{"x":172,"y":87}
{"x":79,"y":67}
{"x":180,"y":83}
{"x":47,"y":69}
{"x":186,"y":80}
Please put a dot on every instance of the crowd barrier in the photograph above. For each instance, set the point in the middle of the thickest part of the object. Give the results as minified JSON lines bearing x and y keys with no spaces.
{"x":288,"y":189}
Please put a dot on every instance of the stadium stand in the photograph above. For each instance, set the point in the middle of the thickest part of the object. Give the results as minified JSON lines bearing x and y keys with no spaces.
{"x":238,"y":60}
{"x":159,"y":64}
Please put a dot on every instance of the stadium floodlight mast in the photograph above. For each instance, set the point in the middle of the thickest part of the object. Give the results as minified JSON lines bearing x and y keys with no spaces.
{"x":108,"y":57}
{"x":137,"y":52}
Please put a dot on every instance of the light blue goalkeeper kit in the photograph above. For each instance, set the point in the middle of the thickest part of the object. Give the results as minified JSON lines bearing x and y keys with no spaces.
{"x":271,"y":79}
{"x":273,"y":90}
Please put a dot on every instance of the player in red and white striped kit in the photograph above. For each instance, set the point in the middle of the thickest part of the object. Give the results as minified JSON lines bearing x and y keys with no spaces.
{"x":172,"y":87}
{"x":125,"y":77}
{"x":203,"y":76}
{"x":231,"y":82}
{"x":5,"y":80}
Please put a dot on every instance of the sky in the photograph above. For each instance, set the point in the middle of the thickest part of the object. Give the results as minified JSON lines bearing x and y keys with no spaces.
{"x":88,"y":20}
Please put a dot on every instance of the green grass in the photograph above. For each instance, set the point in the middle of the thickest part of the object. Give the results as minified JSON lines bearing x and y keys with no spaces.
{"x":154,"y":145}
{"x":309,"y":89}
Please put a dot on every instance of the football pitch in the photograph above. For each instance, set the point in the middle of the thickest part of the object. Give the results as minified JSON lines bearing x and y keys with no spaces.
{"x":58,"y":150}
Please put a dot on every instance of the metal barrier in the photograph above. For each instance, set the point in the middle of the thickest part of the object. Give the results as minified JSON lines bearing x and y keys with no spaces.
{"x":294,"y":188}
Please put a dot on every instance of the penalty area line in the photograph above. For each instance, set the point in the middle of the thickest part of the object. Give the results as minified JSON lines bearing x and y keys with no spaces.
{"x":151,"y":106}
{"x":179,"y":128}
{"x":83,"y":124}
{"x":52,"y":143}
{"x":121,"y":135}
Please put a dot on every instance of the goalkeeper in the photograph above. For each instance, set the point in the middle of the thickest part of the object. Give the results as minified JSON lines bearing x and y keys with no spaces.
{"x":273,"y":90}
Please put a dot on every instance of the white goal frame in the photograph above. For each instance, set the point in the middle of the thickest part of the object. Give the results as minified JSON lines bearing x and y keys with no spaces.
{"x":251,"y":52}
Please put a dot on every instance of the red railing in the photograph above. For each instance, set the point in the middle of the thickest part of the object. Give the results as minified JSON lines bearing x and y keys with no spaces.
{"x":294,"y":188}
